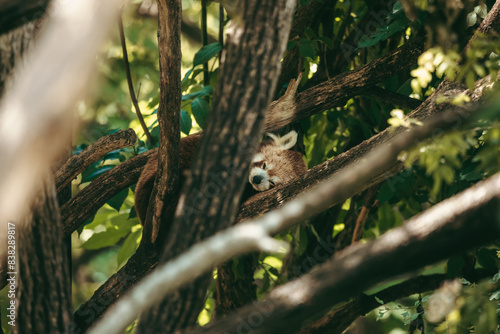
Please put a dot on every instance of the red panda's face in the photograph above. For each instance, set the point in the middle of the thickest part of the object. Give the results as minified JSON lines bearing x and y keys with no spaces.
{"x":261,"y":177}
{"x":274,"y":164}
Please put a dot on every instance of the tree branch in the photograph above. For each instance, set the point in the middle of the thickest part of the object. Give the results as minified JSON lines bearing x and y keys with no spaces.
{"x":78,"y":163}
{"x":338,"y":90}
{"x":86,"y":203}
{"x":454,"y":225}
{"x":169,"y":118}
{"x":393,"y":98}
{"x":213,"y":188}
{"x":338,"y":320}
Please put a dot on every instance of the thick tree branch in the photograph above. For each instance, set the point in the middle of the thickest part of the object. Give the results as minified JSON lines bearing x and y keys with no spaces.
{"x":78,"y":163}
{"x":338,"y":90}
{"x":338,"y":320}
{"x":213,"y":188}
{"x":86,"y":203}
{"x":167,"y":177}
{"x":304,"y":18}
{"x":393,"y":98}
{"x":466,"y":220}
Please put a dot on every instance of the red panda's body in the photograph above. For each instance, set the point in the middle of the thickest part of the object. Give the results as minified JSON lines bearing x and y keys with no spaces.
{"x":273,"y":164}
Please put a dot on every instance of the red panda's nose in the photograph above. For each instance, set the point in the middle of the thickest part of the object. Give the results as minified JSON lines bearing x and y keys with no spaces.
{"x":257,"y":179}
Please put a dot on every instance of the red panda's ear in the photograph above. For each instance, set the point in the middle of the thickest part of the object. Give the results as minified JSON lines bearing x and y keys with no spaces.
{"x":285,"y":142}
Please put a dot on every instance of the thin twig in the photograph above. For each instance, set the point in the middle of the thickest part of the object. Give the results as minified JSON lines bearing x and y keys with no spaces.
{"x":204,"y":39}
{"x":129,"y":81}
{"x":221,"y":30}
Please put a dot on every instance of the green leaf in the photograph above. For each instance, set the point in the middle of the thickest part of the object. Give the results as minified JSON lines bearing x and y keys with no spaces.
{"x":398,"y":6}
{"x":386,"y":192}
{"x":383,"y":33}
{"x":380,"y":301}
{"x":303,"y":240}
{"x":155,"y":133}
{"x":487,"y":258}
{"x":274,"y":271}
{"x":186,"y":122}
{"x":186,"y":76}
{"x":200,"y":108}
{"x":92,"y":173}
{"x":117,"y":201}
{"x":266,"y":281}
{"x":307,"y":48}
{"x":129,"y":246}
{"x":133,"y":213}
{"x":495,"y":278}
{"x":291,"y":45}
{"x":454,"y":265}
{"x":495,"y":295}
{"x":328,"y":41}
{"x":206,"y":53}
{"x":309,"y":33}
{"x":118,"y":228}
{"x":205,"y":91}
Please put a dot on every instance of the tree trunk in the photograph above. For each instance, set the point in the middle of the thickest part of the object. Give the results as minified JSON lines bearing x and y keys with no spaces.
{"x":212,"y":193}
{"x":44,"y":281}
{"x":12,"y":48}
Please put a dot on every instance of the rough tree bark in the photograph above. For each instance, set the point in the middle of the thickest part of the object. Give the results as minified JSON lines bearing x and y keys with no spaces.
{"x":13,"y":46}
{"x":44,"y":281}
{"x":78,"y":163}
{"x":167,"y":178}
{"x":213,"y":189}
{"x":466,"y":220}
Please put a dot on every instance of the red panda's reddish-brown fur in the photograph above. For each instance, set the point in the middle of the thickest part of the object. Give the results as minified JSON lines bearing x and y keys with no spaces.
{"x":280,"y":164}
{"x":144,"y":187}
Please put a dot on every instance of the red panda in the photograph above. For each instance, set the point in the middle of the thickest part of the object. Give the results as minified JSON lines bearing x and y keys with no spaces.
{"x":273,"y":164}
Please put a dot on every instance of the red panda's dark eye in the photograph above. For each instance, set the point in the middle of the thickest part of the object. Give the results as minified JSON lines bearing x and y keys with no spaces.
{"x":264,"y":166}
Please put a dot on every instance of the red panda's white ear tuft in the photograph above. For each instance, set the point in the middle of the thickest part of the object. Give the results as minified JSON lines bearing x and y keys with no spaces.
{"x":287,"y":141}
